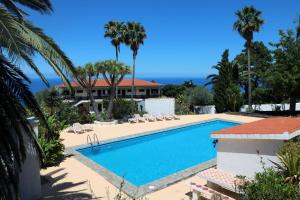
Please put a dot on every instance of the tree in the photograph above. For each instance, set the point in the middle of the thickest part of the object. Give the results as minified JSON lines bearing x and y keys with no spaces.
{"x":249,"y":21}
{"x":20,"y":40}
{"x":115,"y":31}
{"x":261,"y":62}
{"x":285,"y":73}
{"x":113,"y":73}
{"x":173,"y":90}
{"x":189,"y":84}
{"x":198,"y":96}
{"x":225,"y":85}
{"x":134,"y":36}
{"x":87,"y":77}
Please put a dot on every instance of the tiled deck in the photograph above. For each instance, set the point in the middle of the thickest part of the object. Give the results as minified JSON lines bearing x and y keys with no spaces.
{"x":73,"y":179}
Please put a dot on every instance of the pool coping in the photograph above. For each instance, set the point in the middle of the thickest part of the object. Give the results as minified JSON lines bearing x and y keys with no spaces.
{"x":127,"y":187}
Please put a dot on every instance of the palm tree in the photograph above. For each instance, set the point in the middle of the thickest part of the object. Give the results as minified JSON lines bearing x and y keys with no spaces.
{"x":134,"y":36}
{"x":115,"y":31}
{"x":19,"y":41}
{"x":249,"y":21}
{"x":87,"y":77}
{"x":113,"y":73}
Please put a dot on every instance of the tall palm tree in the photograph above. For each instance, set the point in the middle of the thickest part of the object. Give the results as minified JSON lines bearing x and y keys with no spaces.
{"x":249,"y":21}
{"x":134,"y":36}
{"x":113,"y":73}
{"x":87,"y":77}
{"x":115,"y":31}
{"x":19,"y":41}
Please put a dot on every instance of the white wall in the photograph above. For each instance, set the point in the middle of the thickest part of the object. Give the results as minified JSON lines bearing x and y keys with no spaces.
{"x":269,"y":107}
{"x":158,"y":106}
{"x":29,"y":180}
{"x":241,"y":156}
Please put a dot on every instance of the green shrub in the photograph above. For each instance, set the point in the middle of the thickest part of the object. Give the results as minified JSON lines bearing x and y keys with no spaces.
{"x":122,"y":108}
{"x":52,"y":149}
{"x":269,"y":185}
{"x":291,"y":146}
{"x":182,"y":105}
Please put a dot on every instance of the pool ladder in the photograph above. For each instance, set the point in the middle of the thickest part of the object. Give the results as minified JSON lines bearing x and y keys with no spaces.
{"x":92,"y":143}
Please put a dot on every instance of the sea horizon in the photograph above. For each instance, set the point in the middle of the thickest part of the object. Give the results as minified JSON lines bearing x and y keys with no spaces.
{"x":38,"y":85}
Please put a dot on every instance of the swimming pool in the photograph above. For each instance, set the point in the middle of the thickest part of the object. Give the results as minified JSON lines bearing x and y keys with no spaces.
{"x":148,"y":158}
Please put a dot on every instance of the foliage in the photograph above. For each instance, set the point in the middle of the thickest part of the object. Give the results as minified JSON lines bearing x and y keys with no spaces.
{"x":199,"y":96}
{"x":134,"y":36}
{"x":289,"y":165}
{"x":249,"y":21}
{"x":115,"y":31}
{"x":113,"y":73}
{"x":182,"y":106}
{"x":173,"y":90}
{"x":20,"y":41}
{"x":284,"y":76}
{"x":269,"y":185}
{"x":122,"y":108}
{"x":87,"y":77}
{"x":261,"y":62}
{"x":52,"y":149}
{"x":188,"y":84}
{"x":225,"y":85}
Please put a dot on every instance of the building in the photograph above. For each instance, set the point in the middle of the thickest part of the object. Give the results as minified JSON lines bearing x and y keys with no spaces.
{"x":157,"y":106}
{"x":244,"y":149}
{"x":144,"y":89}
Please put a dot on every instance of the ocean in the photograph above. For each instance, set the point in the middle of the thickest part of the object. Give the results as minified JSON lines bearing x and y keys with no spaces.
{"x":37,"y":85}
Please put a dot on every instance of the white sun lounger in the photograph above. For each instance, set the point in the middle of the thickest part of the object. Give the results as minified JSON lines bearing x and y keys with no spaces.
{"x":149,"y":117}
{"x":139,"y":118}
{"x":175,"y":116}
{"x":77,"y":128}
{"x":168,"y":117}
{"x":159,"y":117}
{"x":133,"y":120}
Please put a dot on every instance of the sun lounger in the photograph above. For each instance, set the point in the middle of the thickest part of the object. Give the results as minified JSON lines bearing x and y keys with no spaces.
{"x":159,"y":117}
{"x":139,"y":118}
{"x":77,"y":128}
{"x":168,"y":117}
{"x":149,"y":117}
{"x":206,"y":192}
{"x":175,"y":116}
{"x":133,"y":120}
{"x":87,"y":127}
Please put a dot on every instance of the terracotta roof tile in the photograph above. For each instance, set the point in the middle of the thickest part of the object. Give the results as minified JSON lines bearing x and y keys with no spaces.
{"x":124,"y":83}
{"x":273,"y":125}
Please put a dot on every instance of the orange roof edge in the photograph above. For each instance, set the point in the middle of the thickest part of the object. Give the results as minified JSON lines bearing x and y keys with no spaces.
{"x":268,"y":126}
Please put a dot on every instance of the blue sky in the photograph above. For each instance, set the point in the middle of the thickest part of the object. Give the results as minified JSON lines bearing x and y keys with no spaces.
{"x":185,"y":38}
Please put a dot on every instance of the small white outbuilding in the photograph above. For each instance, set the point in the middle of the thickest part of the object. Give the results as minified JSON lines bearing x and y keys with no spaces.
{"x":244,"y":149}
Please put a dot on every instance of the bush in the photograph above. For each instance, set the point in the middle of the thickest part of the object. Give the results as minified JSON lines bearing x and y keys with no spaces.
{"x":269,"y":185}
{"x":53,"y":150}
{"x":173,"y":90}
{"x":199,"y":96}
{"x":291,"y":146}
{"x":182,"y":105}
{"x":122,"y":108}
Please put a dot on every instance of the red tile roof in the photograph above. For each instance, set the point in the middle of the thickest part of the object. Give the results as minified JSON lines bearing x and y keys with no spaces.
{"x":124,"y":83}
{"x":273,"y":125}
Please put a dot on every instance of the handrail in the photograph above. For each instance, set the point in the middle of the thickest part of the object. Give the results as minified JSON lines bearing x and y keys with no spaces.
{"x":95,"y":137}
{"x":89,"y":141}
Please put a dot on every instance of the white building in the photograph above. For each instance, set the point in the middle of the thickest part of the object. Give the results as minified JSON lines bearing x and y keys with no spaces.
{"x":244,"y":149}
{"x":144,"y":89}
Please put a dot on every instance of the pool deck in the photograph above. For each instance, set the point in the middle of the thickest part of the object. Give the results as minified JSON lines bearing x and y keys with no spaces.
{"x":74,"y":180}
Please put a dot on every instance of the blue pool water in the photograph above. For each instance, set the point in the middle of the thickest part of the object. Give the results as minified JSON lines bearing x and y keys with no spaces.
{"x":144,"y":159}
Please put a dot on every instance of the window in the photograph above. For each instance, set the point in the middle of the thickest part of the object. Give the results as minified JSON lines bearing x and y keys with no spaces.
{"x":129,"y":90}
{"x":79,"y":91}
{"x":93,"y":91}
{"x":154,"y":91}
{"x":141,"y":90}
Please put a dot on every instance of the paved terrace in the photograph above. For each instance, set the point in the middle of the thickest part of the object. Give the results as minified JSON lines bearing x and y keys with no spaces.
{"x":73,"y":180}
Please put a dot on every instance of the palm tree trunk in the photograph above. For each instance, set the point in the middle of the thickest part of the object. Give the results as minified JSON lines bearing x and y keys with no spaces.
{"x":111,"y":100}
{"x":117,"y":59}
{"x":293,"y":105}
{"x":132,"y":82}
{"x":249,"y":80}
{"x":92,"y":100}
